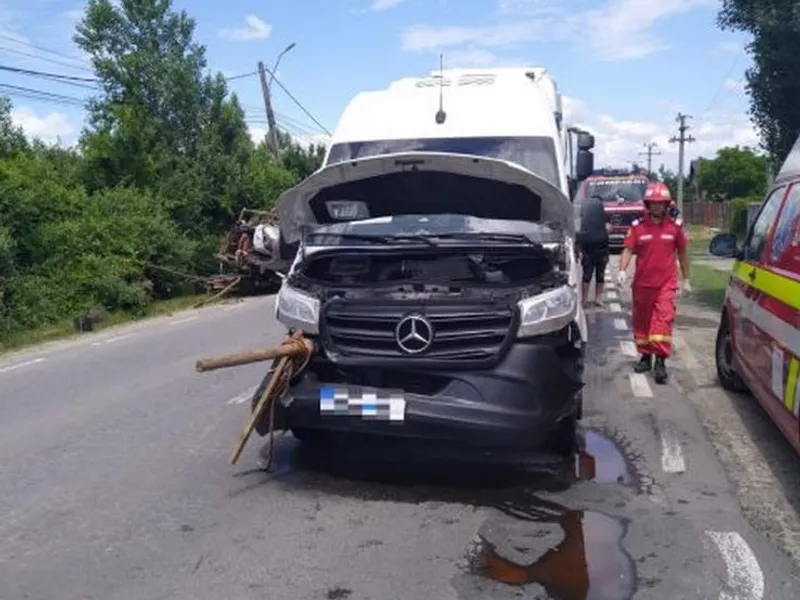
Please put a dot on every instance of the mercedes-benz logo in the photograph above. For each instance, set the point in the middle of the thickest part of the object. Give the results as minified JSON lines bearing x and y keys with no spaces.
{"x":414,"y":334}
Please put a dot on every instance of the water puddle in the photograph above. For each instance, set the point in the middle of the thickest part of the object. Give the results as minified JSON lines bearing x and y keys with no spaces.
{"x":590,"y":563}
{"x":600,"y":460}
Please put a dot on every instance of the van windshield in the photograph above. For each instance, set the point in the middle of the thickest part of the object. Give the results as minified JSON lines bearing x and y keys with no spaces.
{"x":537,"y":154}
{"x":617,"y":189}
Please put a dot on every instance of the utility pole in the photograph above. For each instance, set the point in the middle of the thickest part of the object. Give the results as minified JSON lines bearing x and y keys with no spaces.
{"x":681,"y":139}
{"x":272,"y":134}
{"x":651,"y":152}
{"x":266,"y":89}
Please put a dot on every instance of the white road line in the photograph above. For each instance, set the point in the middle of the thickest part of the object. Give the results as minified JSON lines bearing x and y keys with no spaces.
{"x":615,"y":307}
{"x":621,"y":324}
{"x":243,"y":397}
{"x":21,"y":365}
{"x":185,"y":320}
{"x":672,"y":460}
{"x":628,"y":348}
{"x":745,"y":581}
{"x":640,"y":386}
{"x":111,"y":340}
{"x":612,"y":295}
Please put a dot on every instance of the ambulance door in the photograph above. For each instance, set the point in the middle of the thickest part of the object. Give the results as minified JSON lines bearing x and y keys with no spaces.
{"x":779,"y":299}
{"x":754,"y":354}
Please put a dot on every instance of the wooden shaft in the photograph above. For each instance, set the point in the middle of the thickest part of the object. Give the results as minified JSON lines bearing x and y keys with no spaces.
{"x":297,"y":347}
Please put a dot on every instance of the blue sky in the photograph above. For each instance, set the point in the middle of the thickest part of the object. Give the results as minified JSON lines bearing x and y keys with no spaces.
{"x":626,"y":67}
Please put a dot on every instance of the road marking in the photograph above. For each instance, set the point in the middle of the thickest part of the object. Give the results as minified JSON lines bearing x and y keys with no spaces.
{"x":21,"y":365}
{"x":243,"y":397}
{"x":621,"y":324}
{"x":745,"y":580}
{"x":186,"y":320}
{"x":111,"y":340}
{"x":615,"y":307}
{"x":629,"y":348}
{"x":640,"y":386}
{"x":672,"y":460}
{"x":612,"y":295}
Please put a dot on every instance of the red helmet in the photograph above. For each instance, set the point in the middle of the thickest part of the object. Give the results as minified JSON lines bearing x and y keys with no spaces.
{"x":657,"y":191}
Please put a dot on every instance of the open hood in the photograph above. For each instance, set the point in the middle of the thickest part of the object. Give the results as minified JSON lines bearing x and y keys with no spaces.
{"x":421,"y":183}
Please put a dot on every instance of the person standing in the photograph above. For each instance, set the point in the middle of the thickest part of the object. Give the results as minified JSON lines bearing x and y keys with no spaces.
{"x":593,"y":241}
{"x":655,"y":240}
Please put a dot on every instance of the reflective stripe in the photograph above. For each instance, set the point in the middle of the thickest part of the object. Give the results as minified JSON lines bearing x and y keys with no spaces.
{"x":782,"y":333}
{"x":780,"y":287}
{"x":790,"y":393}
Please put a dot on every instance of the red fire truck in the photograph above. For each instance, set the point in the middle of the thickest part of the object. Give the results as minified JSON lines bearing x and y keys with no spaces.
{"x":621,"y":192}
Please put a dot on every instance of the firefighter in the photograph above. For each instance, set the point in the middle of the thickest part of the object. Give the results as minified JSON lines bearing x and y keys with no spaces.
{"x":656,"y":239}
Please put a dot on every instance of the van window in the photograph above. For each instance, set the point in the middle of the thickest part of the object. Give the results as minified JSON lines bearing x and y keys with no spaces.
{"x":757,"y":239}
{"x":625,"y":190}
{"x":537,"y":154}
{"x":786,"y":230}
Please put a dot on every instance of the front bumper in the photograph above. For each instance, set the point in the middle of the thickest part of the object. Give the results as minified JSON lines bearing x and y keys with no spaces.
{"x":517,"y":403}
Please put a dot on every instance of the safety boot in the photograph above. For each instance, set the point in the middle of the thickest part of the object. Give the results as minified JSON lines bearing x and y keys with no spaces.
{"x":660,"y":370}
{"x":645,"y":364}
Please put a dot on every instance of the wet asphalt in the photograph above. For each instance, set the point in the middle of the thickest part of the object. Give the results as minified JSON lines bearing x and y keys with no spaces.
{"x":114,"y":485}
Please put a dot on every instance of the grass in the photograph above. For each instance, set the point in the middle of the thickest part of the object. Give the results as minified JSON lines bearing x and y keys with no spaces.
{"x":66,"y":329}
{"x":709,"y":285}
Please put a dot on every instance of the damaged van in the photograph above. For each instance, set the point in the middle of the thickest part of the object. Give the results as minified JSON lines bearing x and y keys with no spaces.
{"x":438,"y":275}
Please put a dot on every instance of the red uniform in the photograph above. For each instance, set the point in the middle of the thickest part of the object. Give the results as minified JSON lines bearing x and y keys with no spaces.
{"x":655,"y":282}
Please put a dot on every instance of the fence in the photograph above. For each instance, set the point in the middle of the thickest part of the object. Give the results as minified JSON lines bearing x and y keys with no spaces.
{"x":708,"y":214}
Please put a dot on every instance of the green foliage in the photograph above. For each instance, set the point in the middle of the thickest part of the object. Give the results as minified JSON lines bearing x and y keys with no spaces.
{"x":161,"y":170}
{"x":738,"y":225}
{"x":772,"y":81}
{"x":734,"y":173}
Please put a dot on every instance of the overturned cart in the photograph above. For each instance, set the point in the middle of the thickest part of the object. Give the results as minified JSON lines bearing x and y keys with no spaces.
{"x":437,"y":296}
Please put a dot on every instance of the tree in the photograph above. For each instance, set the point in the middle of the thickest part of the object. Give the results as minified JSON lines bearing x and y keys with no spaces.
{"x":735,"y":172}
{"x":774,"y":79}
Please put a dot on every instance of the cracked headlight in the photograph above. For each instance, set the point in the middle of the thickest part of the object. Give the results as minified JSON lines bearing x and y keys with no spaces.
{"x":297,"y":310}
{"x":547,"y":312}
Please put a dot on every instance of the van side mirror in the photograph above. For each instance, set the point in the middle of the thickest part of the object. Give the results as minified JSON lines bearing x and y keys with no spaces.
{"x":585,"y":141}
{"x":584,"y":164}
{"x":724,"y":245}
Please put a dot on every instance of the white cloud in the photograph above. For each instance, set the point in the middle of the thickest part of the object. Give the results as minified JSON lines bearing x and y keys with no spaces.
{"x":620,"y":142}
{"x":254,"y":29}
{"x":617,"y":30}
{"x":734,"y":85}
{"x":379,"y":5}
{"x":47,"y":128}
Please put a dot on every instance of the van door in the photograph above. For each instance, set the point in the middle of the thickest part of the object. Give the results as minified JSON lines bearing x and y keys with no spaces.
{"x":779,"y":299}
{"x":755,"y":356}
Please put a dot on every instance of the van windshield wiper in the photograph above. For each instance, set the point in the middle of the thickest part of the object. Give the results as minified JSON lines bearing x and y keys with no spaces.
{"x":478,"y":236}
{"x":378,"y":239}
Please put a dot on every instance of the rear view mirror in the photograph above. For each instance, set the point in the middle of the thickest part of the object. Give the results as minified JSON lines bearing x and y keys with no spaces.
{"x":585,"y":141}
{"x":723,"y":245}
{"x":584,"y":164}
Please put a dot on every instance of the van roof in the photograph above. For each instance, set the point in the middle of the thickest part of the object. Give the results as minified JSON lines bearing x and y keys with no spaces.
{"x":510,"y":102}
{"x":790,"y":168}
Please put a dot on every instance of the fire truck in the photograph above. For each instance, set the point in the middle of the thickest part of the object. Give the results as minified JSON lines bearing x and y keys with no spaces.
{"x":621,"y":192}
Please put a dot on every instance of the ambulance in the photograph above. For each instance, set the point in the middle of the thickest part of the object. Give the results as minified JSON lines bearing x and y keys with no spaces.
{"x":758,"y":341}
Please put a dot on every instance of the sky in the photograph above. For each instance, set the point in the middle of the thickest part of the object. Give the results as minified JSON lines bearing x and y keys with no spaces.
{"x":625,"y":67}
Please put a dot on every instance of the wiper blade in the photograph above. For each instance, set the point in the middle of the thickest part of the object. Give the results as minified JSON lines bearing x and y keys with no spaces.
{"x":477,"y":235}
{"x":379,"y":239}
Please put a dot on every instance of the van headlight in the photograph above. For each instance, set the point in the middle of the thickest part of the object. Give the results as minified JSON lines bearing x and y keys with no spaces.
{"x":547,"y":312}
{"x":297,"y":310}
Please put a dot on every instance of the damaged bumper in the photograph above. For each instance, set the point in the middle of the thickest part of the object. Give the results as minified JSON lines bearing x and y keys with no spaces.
{"x":518,"y":402}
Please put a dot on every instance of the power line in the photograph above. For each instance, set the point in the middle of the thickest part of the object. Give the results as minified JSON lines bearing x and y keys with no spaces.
{"x":682,"y":139}
{"x":26,"y":92}
{"x":241,"y":76}
{"x":45,"y":59}
{"x":721,"y":85}
{"x":297,"y":102}
{"x":40,"y":48}
{"x":66,"y":79}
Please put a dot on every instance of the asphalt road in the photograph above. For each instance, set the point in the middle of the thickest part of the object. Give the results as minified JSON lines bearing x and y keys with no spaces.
{"x":114,"y":485}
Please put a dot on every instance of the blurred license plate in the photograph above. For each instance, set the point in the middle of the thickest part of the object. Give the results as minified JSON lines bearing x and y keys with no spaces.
{"x":367,"y":403}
